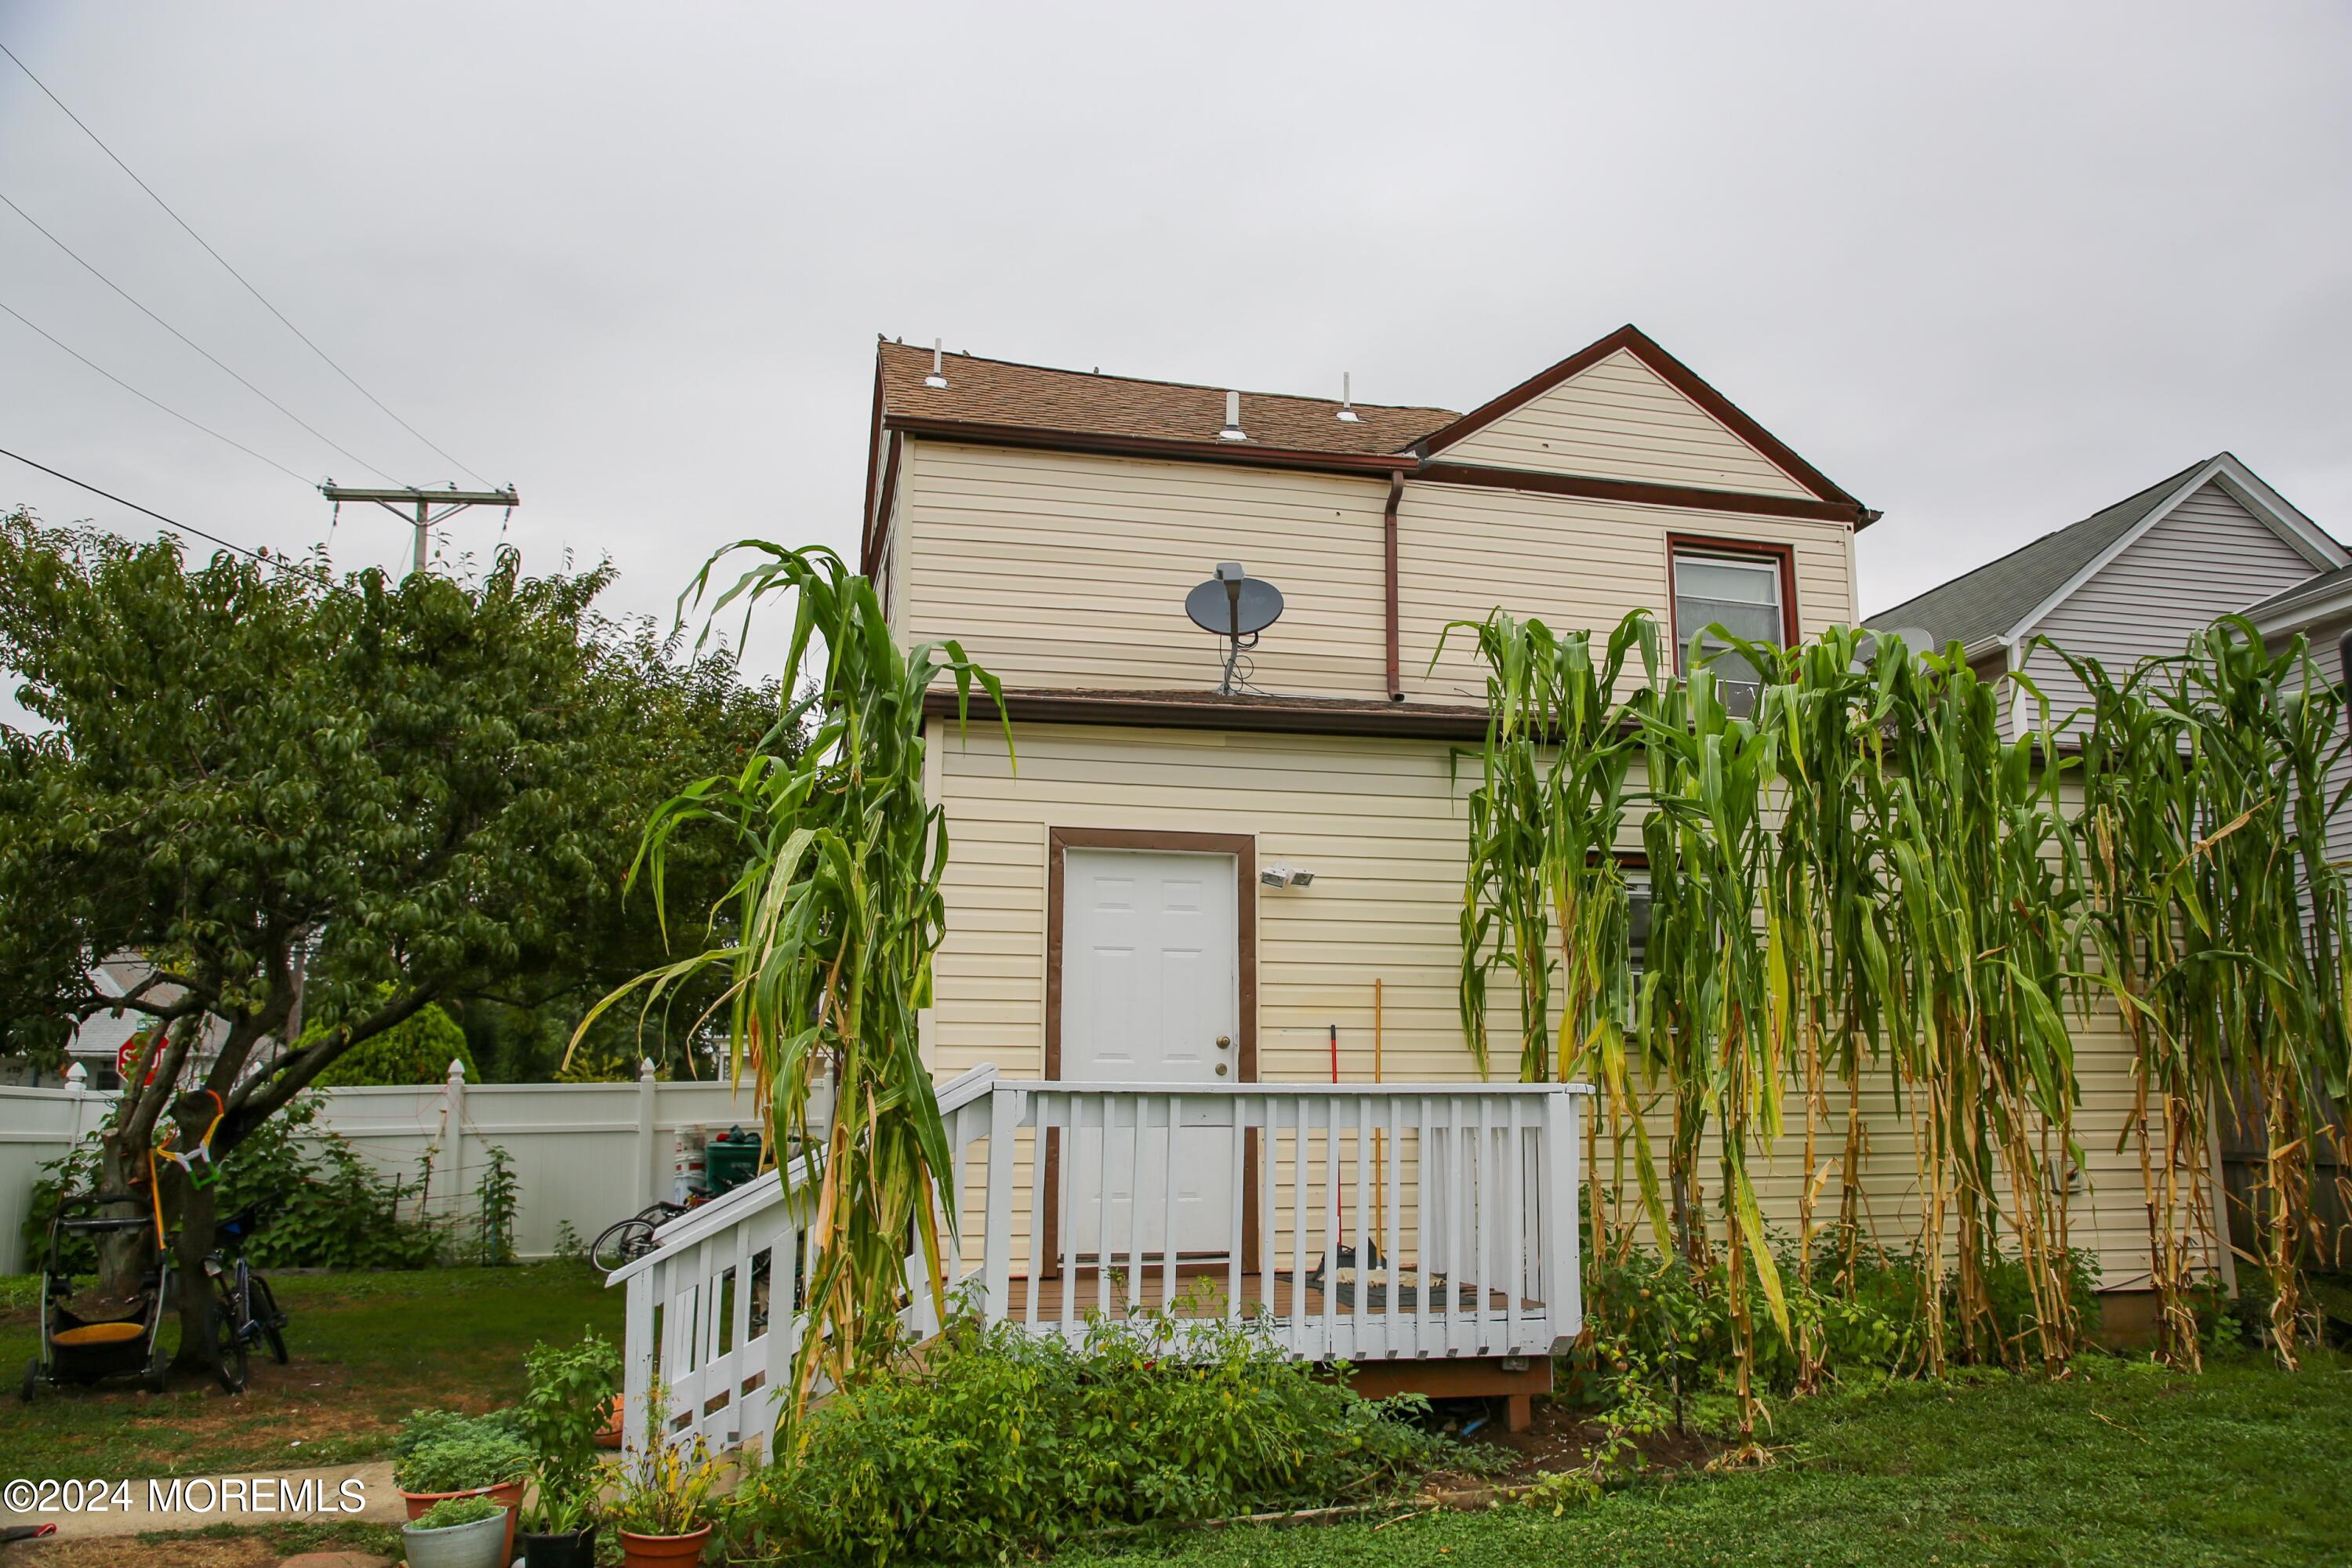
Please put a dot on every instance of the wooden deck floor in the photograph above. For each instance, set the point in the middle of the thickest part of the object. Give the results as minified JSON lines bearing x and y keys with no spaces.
{"x":1202,"y":1294}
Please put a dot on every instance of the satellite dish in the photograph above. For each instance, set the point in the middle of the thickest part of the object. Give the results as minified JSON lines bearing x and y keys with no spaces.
{"x":1917,"y":641}
{"x":1236,"y":606}
{"x":1235,"y":609}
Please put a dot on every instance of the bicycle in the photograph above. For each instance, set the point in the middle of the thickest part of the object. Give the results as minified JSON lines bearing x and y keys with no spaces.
{"x":626,"y":1240}
{"x":246,"y":1314}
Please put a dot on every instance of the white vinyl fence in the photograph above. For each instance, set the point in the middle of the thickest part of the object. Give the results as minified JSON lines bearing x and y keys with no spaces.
{"x":583,"y":1154}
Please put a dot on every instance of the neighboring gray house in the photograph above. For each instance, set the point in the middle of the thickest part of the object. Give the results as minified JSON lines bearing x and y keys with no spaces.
{"x":2131,"y":581}
{"x":2321,"y":608}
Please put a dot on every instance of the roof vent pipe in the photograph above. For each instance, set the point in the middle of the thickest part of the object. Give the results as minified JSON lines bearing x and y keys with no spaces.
{"x":1346,"y":399}
{"x":1233,"y":430}
{"x":938,"y":376}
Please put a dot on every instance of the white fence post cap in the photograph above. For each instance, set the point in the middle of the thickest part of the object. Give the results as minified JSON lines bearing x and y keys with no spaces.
{"x":77,"y":1077}
{"x":458,"y":1070}
{"x":646,"y":1069}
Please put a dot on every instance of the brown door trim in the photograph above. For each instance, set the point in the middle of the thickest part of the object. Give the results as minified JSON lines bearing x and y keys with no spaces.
{"x":1242,"y":848}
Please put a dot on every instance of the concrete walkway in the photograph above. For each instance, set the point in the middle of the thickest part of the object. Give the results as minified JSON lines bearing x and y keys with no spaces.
{"x":361,"y":1493}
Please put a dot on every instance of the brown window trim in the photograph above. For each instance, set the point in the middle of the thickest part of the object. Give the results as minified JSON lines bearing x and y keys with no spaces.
{"x":1242,"y":848}
{"x":1782,"y":555}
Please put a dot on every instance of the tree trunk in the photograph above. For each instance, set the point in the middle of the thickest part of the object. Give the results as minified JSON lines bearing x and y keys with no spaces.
{"x":126,"y":1259}
{"x":198,"y":1352}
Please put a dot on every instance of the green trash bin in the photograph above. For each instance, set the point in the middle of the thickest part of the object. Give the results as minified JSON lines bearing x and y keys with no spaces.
{"x":731,"y":1160}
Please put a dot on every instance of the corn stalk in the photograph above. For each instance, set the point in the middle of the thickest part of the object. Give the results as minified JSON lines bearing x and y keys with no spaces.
{"x":2265,"y":911}
{"x":837,"y":916}
{"x":1986,"y":881}
{"x":2141,"y":781}
{"x":1545,"y":896}
{"x":1715,"y":1000}
{"x":1828,"y":898}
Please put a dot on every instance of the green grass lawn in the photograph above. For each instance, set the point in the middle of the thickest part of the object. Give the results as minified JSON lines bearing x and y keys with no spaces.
{"x":367,"y":1349}
{"x":2124,"y":1465}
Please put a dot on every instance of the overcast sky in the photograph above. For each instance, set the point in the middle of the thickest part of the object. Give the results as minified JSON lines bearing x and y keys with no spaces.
{"x":1989,"y":269}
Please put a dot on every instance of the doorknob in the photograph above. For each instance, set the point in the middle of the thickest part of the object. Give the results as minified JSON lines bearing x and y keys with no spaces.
{"x":1225,"y":1042}
{"x":1221,"y":1069}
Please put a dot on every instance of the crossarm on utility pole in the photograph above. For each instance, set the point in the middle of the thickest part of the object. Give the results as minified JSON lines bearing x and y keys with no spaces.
{"x":398,"y":500}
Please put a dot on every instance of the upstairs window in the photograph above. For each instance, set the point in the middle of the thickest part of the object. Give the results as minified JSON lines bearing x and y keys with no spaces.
{"x":1744,"y":590}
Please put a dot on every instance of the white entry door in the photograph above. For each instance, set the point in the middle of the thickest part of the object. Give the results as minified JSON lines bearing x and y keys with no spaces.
{"x":1150,"y":994}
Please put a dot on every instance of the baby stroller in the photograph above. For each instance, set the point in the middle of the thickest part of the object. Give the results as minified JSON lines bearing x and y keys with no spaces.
{"x":86,"y":1337}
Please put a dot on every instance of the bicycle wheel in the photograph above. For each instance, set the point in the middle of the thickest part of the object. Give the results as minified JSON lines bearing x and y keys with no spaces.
{"x":624,"y":1241}
{"x":269,"y":1319}
{"x":229,"y":1319}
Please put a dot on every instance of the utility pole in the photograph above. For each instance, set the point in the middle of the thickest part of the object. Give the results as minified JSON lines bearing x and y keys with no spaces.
{"x":416,"y":507}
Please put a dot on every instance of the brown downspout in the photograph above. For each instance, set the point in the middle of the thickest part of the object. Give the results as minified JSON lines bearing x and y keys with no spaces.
{"x":1389,"y":544}
{"x":877,"y":526}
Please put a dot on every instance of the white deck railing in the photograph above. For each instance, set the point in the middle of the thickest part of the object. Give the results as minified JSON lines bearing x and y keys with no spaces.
{"x":1356,"y":1222}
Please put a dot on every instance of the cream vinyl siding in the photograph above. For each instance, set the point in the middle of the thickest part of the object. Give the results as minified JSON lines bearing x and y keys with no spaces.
{"x":1621,"y":420}
{"x":1382,"y":826}
{"x":1463,"y":550}
{"x":1070,"y":571}
{"x":2208,"y":557}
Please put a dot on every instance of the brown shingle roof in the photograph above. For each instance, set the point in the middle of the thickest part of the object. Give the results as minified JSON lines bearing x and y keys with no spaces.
{"x":988,"y":392}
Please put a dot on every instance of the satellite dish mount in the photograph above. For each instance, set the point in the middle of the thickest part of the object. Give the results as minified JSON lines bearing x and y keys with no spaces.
{"x":1235,"y":606}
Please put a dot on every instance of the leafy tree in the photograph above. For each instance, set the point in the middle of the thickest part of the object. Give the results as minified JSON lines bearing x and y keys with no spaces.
{"x":416,"y":791}
{"x":691,"y":716}
{"x":418,"y":1050}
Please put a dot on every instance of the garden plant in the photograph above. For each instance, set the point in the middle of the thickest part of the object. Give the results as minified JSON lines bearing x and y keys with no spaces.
{"x":1859,"y":885}
{"x":836,"y":915}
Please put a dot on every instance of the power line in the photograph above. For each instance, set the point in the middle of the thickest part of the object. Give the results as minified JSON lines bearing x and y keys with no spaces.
{"x":164,"y":406}
{"x":232,"y":272}
{"x":184,"y":337}
{"x":263,"y":556}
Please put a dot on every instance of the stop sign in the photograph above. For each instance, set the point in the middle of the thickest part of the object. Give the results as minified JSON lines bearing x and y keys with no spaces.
{"x":128,"y":1058}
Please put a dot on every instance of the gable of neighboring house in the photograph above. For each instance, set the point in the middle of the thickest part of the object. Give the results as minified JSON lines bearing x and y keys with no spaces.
{"x":2206,"y":557}
{"x":2132,"y":580}
{"x":2319,"y":610}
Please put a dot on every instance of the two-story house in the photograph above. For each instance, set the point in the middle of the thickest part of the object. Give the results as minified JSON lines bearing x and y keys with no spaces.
{"x":1054,"y":521}
{"x":1167,"y":884}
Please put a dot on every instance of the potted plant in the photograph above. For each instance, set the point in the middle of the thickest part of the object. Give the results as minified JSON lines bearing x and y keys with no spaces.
{"x":565,"y":1391}
{"x":661,"y":1506}
{"x":441,"y":1455}
{"x":457,"y":1533}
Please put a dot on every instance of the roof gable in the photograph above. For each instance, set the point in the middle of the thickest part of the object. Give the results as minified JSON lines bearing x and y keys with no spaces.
{"x":1624,"y":409}
{"x":2005,"y":598}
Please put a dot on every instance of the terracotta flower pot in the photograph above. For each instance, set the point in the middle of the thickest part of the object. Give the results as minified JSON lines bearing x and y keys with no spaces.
{"x":663,"y":1550}
{"x":609,"y":1434}
{"x":507,"y":1492}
